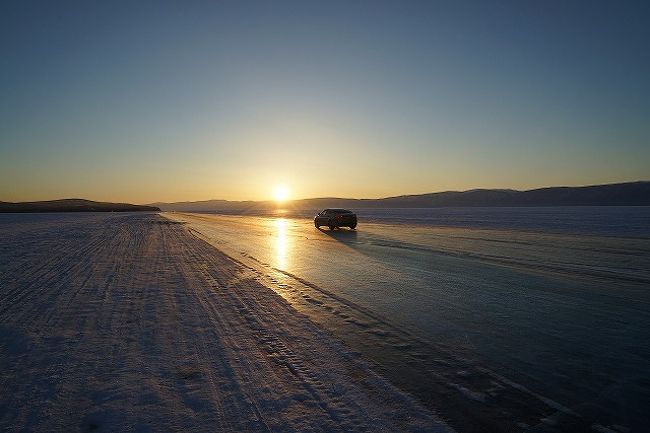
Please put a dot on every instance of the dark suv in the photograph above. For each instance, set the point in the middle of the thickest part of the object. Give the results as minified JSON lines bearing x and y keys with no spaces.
{"x":334,"y":218}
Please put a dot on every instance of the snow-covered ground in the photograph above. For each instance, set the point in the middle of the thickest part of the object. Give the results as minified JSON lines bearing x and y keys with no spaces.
{"x":128,"y":322}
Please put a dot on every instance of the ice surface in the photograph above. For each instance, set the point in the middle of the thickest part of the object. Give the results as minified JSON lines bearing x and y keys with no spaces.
{"x":537,"y":319}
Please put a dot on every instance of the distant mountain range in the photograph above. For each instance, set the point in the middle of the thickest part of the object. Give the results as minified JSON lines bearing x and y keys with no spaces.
{"x":619,"y":194}
{"x":72,"y":205}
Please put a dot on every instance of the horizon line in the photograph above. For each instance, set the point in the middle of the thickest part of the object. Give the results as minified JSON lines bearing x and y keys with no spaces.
{"x":338,"y":198}
{"x":402,"y":195}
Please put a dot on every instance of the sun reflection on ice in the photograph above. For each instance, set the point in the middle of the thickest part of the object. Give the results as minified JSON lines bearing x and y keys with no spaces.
{"x":281,"y":243}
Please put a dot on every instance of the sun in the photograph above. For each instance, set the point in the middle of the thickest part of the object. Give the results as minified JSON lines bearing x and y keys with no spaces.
{"x":280,"y":193}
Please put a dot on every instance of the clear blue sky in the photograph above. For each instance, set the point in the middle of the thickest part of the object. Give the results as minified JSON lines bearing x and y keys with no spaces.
{"x":166,"y":101}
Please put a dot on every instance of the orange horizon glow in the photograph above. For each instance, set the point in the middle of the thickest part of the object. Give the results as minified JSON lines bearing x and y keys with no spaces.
{"x":204,"y":190}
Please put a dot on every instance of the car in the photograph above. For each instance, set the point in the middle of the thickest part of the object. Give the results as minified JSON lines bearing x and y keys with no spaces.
{"x":335,"y":218}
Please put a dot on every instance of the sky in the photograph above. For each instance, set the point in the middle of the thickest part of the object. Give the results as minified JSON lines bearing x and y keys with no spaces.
{"x":194,"y":100}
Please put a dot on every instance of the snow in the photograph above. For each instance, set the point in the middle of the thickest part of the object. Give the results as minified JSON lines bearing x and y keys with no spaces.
{"x":128,"y":322}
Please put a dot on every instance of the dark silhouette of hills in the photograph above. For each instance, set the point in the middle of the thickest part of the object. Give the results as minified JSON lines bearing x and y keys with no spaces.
{"x":619,"y":194}
{"x":72,"y":205}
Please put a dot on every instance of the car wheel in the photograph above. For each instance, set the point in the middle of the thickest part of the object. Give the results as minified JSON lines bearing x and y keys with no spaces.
{"x":353,"y":226}
{"x":331,"y":226}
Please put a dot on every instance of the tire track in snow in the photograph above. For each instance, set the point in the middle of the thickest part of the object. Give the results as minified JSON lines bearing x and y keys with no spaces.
{"x":282,"y":355}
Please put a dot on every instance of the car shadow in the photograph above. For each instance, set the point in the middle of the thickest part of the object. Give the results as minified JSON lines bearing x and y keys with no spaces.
{"x":344,"y":235}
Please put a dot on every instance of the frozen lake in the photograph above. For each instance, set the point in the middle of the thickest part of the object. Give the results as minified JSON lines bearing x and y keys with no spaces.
{"x":558,"y":303}
{"x":542,"y":327}
{"x":616,"y":221}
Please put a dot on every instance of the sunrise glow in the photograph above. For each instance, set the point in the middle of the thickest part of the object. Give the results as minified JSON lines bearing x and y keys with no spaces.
{"x":280,"y":193}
